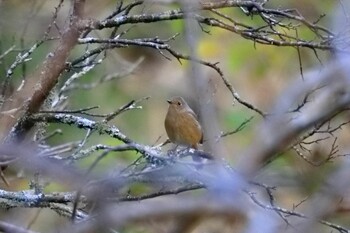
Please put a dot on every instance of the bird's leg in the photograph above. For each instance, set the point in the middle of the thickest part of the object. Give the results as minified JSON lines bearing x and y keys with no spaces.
{"x":183,"y":152}
{"x":172,"y":151}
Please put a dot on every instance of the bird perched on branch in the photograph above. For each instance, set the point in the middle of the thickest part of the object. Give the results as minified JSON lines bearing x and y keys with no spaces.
{"x":181,"y":124}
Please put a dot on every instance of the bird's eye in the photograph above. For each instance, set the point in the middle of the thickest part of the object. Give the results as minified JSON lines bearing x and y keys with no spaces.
{"x":179,"y":103}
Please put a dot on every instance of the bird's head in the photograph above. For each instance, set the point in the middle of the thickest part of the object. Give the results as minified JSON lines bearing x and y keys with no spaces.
{"x":177,"y":103}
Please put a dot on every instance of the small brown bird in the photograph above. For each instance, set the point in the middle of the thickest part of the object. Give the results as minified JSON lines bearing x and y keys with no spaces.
{"x":181,"y":124}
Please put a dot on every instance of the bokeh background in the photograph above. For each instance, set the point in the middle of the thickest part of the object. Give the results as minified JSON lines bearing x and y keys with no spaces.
{"x":259,"y":73}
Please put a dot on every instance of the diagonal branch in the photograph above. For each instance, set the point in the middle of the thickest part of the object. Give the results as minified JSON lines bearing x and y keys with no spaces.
{"x":37,"y":88}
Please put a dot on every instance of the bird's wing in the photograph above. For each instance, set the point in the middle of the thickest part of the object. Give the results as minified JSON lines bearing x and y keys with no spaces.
{"x":192,"y":113}
{"x":198,"y":125}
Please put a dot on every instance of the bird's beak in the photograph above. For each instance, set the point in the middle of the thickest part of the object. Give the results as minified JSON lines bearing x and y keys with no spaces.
{"x":169,"y":101}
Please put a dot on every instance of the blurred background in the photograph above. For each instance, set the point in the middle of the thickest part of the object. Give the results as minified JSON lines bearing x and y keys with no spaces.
{"x":259,"y":73}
